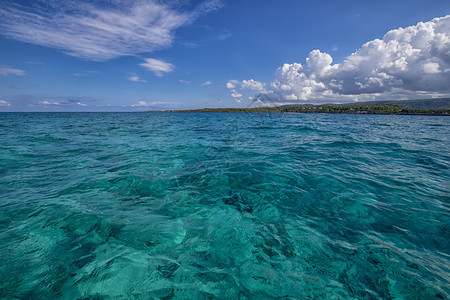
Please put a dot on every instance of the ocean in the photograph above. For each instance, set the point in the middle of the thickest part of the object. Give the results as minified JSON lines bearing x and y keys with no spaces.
{"x":224,"y":206}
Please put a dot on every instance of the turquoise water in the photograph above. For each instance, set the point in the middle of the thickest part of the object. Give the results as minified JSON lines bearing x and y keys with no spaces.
{"x":224,"y":206}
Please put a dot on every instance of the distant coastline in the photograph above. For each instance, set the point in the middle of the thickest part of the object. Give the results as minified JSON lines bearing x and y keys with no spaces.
{"x":435,"y":107}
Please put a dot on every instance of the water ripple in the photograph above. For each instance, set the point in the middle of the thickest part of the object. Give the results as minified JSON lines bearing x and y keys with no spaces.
{"x":227,"y":206}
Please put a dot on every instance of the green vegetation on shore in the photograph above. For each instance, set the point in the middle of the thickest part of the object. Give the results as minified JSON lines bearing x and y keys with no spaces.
{"x":382,"y":107}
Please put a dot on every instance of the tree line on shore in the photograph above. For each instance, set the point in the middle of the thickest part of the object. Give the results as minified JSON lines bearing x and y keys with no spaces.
{"x":389,"y":109}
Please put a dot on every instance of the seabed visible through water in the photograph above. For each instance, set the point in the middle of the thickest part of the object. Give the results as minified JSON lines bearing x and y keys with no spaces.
{"x":226,"y":206}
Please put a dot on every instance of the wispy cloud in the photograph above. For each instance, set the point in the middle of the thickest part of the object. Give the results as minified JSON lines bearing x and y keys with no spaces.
{"x":135,"y":78}
{"x":157,"y":105}
{"x":184,"y":81}
{"x":223,"y":36}
{"x":158,"y":66}
{"x":60,"y":101}
{"x":206,"y":7}
{"x":190,"y":44}
{"x":207,"y":83}
{"x":7,"y":70}
{"x":95,"y":30}
{"x":45,"y":103}
{"x":85,"y":73}
{"x":4,"y":103}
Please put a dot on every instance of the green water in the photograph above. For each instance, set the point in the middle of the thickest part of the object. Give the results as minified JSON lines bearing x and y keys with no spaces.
{"x":224,"y":206}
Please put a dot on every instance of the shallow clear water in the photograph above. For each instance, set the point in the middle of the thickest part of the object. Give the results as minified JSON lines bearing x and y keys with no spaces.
{"x":222,"y":205}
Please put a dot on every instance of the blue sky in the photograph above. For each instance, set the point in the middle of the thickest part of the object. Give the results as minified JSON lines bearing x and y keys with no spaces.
{"x":141,"y":55}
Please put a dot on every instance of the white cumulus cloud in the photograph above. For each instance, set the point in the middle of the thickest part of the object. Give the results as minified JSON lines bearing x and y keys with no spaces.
{"x":231,"y":84}
{"x":407,"y":61}
{"x":7,"y":70}
{"x":252,"y":85}
{"x":235,"y":94}
{"x":98,"y":30}
{"x":158,"y":66}
{"x":431,"y":68}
